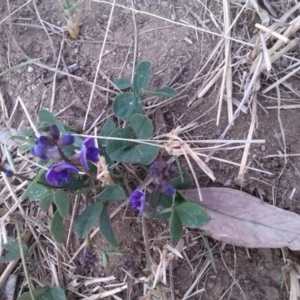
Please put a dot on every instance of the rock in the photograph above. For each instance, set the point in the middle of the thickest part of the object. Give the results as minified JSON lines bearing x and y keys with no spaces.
{"x":30,"y":69}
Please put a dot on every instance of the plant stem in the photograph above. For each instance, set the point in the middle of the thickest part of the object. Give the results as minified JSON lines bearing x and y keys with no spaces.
{"x":146,"y":242}
{"x":24,"y":261}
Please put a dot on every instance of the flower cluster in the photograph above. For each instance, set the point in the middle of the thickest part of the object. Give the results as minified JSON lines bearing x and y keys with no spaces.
{"x":50,"y":147}
{"x":161,"y":174}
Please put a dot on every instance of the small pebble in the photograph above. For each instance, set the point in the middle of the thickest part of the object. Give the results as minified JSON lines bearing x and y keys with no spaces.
{"x":30,"y":69}
{"x":263,"y":148}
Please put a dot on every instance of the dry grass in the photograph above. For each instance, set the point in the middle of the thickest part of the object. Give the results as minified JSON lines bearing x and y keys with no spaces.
{"x":236,"y":61}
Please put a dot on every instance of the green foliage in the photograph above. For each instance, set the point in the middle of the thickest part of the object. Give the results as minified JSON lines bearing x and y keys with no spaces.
{"x":175,"y":227}
{"x":182,"y":182}
{"x":106,"y":228}
{"x":70,"y":9}
{"x":129,"y":151}
{"x":106,"y":130}
{"x":62,"y":202}
{"x":87,"y":219}
{"x":122,"y":83}
{"x":192,"y":215}
{"x":166,"y":92}
{"x":13,"y":251}
{"x":52,"y":293}
{"x":57,"y":228}
{"x":127,"y":104}
{"x":142,"y":77}
{"x":112,"y":193}
{"x":37,"y":192}
{"x":36,"y":293}
{"x":46,"y":119}
{"x":141,"y":126}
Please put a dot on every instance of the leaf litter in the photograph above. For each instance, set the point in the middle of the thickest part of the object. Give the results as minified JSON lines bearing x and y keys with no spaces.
{"x":243,"y":220}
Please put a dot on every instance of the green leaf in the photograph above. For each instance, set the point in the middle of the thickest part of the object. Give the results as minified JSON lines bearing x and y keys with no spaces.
{"x":112,"y":193}
{"x":163,"y":92}
{"x":175,"y":227}
{"x":122,"y":83}
{"x":130,"y":152}
{"x":85,"y":221}
{"x":46,"y":118}
{"x":182,"y":182}
{"x":57,"y":228}
{"x":62,"y":202}
{"x":52,"y":293}
{"x":164,"y":202}
{"x":46,"y":201}
{"x":31,"y":185}
{"x":69,"y":11}
{"x":36,"y":293}
{"x":127,"y":104}
{"x":13,"y":251}
{"x":192,"y":215}
{"x":75,"y":183}
{"x":106,"y":130}
{"x":37,"y":192}
{"x":141,"y":125}
{"x":106,"y":228}
{"x":115,"y":148}
{"x":105,"y":260}
{"x":24,"y":149}
{"x":142,"y":76}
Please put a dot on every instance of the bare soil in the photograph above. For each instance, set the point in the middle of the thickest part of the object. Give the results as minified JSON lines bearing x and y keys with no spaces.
{"x":236,"y":273}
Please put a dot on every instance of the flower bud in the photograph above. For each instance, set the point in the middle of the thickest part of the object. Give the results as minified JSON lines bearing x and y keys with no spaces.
{"x":54,"y":132}
{"x":66,"y":140}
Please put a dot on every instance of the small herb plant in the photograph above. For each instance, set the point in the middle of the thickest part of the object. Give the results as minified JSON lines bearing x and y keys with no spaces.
{"x":71,"y":164}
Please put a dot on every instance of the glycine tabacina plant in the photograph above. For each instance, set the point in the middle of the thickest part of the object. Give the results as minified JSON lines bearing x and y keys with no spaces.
{"x":70,"y":165}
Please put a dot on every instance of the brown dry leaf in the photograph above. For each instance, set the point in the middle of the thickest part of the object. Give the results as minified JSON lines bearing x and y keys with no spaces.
{"x":240,"y":219}
{"x":73,"y":29}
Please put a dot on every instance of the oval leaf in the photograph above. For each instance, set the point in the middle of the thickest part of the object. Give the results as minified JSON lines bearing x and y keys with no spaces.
{"x":140,"y":153}
{"x":192,"y":215}
{"x":166,"y":91}
{"x":36,"y":293}
{"x":115,"y":148}
{"x":240,"y":219}
{"x":142,"y":76}
{"x":87,"y":218}
{"x":141,"y":126}
{"x":53,"y":293}
{"x":37,"y":192}
{"x":127,"y":104}
{"x":106,"y":130}
{"x":106,"y":228}
{"x":175,"y":227}
{"x":182,"y":182}
{"x":57,"y":228}
{"x":62,"y":202}
{"x":112,"y":193}
{"x":122,"y":83}
{"x":13,"y":251}
{"x":47,"y":118}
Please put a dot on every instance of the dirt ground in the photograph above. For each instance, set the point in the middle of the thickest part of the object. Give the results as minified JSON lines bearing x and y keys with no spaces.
{"x":234,"y":273}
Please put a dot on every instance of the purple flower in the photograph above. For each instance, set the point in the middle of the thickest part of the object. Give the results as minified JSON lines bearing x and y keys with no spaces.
{"x":44,"y":148}
{"x":54,"y":132}
{"x":89,"y":152}
{"x":9,"y":173}
{"x":66,"y":140}
{"x":138,"y":201}
{"x":161,"y":174}
{"x":58,"y":173}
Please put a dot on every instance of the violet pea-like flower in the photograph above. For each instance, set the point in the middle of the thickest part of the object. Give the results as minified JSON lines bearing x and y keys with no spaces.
{"x":89,"y":152}
{"x":59,"y":173}
{"x":138,"y":201}
{"x":161,"y":174}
